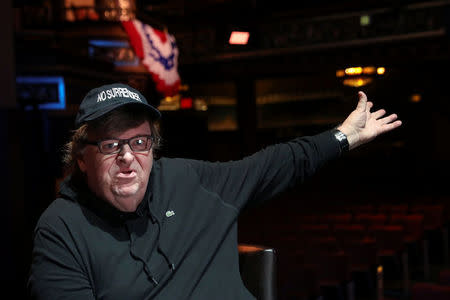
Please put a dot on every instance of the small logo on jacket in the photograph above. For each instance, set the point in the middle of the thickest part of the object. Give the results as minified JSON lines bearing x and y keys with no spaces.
{"x":169,"y":213}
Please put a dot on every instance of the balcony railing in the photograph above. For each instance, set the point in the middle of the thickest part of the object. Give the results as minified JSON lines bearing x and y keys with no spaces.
{"x":275,"y":35}
{"x":35,"y":17}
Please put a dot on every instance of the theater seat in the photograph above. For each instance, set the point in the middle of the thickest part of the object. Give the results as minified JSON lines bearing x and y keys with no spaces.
{"x":430,"y":291}
{"x":444,"y":277}
{"x":258,"y":270}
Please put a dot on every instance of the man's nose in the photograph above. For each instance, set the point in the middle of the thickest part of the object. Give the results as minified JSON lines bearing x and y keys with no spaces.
{"x":126,"y":154}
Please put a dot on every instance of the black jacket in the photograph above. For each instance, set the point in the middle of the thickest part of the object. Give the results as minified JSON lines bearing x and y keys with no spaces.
{"x":181,"y":243}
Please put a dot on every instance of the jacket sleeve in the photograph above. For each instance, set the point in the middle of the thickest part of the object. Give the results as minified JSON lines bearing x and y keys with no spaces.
{"x":268,"y":172}
{"x":55,"y":273}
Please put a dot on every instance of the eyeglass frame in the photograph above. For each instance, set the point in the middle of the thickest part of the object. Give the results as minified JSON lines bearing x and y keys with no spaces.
{"x":121,"y":143}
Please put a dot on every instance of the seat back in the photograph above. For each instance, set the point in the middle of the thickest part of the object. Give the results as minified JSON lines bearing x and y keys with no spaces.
{"x":336,"y":218}
{"x":370,"y":219}
{"x":257,"y":265}
{"x":433,"y":215}
{"x":387,"y":208}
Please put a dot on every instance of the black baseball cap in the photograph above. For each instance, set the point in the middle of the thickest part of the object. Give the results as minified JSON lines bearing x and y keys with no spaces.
{"x":106,"y":98}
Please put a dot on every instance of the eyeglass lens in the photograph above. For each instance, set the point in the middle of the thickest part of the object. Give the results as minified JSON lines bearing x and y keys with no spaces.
{"x":137,"y":144}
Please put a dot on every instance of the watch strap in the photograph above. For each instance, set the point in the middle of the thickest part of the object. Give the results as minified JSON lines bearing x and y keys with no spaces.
{"x":342,"y":140}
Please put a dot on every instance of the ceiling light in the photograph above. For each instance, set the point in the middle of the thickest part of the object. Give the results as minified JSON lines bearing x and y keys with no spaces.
{"x":357,"y":81}
{"x":381,"y":70}
{"x":239,"y":38}
{"x":369,"y":70}
{"x":359,"y":76}
{"x":416,"y":98}
{"x":353,"y":71}
{"x":340,"y":73}
{"x":364,"y":20}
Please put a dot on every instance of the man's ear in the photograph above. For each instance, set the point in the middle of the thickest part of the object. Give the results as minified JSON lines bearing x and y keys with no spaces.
{"x":81,"y":164}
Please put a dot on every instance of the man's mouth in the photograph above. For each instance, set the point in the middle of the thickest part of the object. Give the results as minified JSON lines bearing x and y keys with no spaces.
{"x":126,"y":174}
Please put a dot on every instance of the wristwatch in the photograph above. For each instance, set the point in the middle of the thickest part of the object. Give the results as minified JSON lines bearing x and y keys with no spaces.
{"x":342,"y":139}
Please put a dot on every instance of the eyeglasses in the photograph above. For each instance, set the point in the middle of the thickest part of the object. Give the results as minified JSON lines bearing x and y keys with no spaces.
{"x":139,"y":143}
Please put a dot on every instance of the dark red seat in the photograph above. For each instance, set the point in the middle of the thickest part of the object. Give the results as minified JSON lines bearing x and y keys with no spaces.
{"x":444,"y":277}
{"x":389,"y":238}
{"x":430,"y":291}
{"x":415,"y":240}
{"x":334,"y":269}
{"x":370,"y":219}
{"x":413,"y":225}
{"x":434,"y":216}
{"x":314,"y":230}
{"x":327,"y":263}
{"x":298,"y":279}
{"x":344,"y":218}
{"x":362,"y":253}
{"x":422,"y":291}
{"x":308,"y":219}
{"x":391,"y":248}
{"x":434,"y":223}
{"x":360,"y":208}
{"x":349,"y":232}
{"x":387,"y":208}
{"x":303,"y":264}
{"x":319,"y":245}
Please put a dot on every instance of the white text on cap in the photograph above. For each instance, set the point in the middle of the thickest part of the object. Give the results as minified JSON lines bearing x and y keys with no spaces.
{"x":117,"y":92}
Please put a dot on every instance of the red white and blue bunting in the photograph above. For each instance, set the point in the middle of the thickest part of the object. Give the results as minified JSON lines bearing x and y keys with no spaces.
{"x":158,"y":52}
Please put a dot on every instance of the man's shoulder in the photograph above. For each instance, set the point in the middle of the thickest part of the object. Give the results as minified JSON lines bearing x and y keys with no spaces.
{"x":171,"y":161}
{"x":168,"y":163}
{"x":61,"y":210}
{"x":167,"y":171}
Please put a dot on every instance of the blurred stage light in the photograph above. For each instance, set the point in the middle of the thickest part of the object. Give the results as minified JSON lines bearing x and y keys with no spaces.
{"x":239,"y":38}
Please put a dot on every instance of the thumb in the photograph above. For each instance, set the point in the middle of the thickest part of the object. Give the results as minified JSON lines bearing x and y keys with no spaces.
{"x":362,"y":103}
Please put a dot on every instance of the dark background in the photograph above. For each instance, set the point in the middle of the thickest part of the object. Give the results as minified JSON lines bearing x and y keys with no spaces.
{"x":409,"y":163}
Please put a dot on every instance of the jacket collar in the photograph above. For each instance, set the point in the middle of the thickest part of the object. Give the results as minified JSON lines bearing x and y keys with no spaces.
{"x":77,"y":190}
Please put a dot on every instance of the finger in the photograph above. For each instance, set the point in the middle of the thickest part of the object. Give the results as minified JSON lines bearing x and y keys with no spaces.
{"x":391,"y":126}
{"x":362,"y":103}
{"x":378,"y":114}
{"x":388,"y":119}
{"x":369,"y":106}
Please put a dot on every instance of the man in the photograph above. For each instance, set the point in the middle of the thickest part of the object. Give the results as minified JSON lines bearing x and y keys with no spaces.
{"x":127,"y":226}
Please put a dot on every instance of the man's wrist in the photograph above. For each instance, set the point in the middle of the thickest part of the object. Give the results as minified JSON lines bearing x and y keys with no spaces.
{"x":341,"y":138}
{"x":352,"y":136}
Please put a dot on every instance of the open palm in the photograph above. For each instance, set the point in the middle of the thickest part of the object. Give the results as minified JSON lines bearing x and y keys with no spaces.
{"x":362,"y":125}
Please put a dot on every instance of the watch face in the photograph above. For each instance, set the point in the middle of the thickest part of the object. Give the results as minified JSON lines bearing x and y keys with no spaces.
{"x":340,"y":136}
{"x":342,"y":139}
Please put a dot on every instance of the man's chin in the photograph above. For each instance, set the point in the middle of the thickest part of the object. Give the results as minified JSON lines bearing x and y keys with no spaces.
{"x":127,"y":202}
{"x":126,"y":193}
